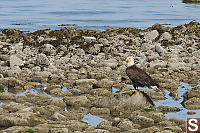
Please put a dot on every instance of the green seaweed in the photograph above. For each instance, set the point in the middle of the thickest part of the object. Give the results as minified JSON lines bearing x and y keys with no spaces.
{"x":126,"y":107}
{"x":2,"y":88}
{"x":162,"y":70}
{"x":39,"y":115}
{"x":29,"y":131}
{"x":169,"y":129}
{"x":148,"y":109}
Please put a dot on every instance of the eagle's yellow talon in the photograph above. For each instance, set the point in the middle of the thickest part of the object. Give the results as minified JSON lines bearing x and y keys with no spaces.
{"x":134,"y":90}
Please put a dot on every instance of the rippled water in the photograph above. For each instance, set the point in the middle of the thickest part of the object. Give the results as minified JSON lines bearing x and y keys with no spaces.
{"x":31,"y":15}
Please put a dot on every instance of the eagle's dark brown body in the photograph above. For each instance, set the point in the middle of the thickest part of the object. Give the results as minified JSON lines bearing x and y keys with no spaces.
{"x":139,"y":77}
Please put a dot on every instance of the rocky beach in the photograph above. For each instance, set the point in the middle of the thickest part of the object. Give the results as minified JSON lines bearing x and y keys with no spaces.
{"x":51,"y":79}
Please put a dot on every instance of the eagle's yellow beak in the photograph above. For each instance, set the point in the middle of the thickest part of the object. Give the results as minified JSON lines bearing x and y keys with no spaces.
{"x":127,"y":60}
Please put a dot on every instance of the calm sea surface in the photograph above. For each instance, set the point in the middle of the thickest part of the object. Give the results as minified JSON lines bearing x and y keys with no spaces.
{"x":31,"y":15}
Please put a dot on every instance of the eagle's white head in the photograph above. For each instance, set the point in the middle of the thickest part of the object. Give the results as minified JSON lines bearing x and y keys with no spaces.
{"x":130,"y":61}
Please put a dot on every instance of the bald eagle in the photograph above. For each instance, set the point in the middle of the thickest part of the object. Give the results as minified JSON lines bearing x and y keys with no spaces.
{"x":139,"y":77}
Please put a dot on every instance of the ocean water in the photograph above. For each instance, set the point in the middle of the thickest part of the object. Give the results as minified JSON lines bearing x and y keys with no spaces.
{"x":31,"y":15}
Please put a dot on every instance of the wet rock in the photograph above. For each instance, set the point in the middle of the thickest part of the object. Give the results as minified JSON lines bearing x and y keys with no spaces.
{"x":14,"y":72}
{"x":125,"y":125}
{"x":191,"y":113}
{"x":192,"y":93}
{"x":153,"y":56}
{"x":13,"y":82}
{"x":175,"y":129}
{"x":112,"y":63}
{"x":159,"y":27}
{"x":152,"y":35}
{"x":58,"y":117}
{"x":192,"y":103}
{"x":7,"y":96}
{"x":17,"y":47}
{"x":52,"y":127}
{"x":4,"y":57}
{"x":134,"y":101}
{"x":166,"y":36}
{"x":59,"y":128}
{"x":104,"y":83}
{"x":157,"y":95}
{"x":85,"y":81}
{"x":150,"y":130}
{"x":4,"y":81}
{"x":13,"y":107}
{"x":13,"y":36}
{"x":191,"y":1}
{"x":59,"y":103}
{"x":178,"y":66}
{"x":42,"y":59}
{"x":99,"y":111}
{"x":15,"y":61}
{"x":168,"y":109}
{"x":177,"y":121}
{"x":74,"y":125}
{"x":159,"y":63}
{"x":107,"y":126}
{"x":38,"y":99}
{"x":59,"y":93}
{"x":165,"y":123}
{"x":17,"y":129}
{"x":48,"y":49}
{"x":157,"y":117}
{"x":93,"y":49}
{"x":52,"y":87}
{"x":160,"y":50}
{"x":100,"y":131}
{"x":81,"y":101}
{"x":101,"y":92}
{"x":89,"y":39}
{"x":116,"y":121}
{"x":142,"y":120}
{"x":20,"y":119}
{"x":41,"y":76}
{"x":46,"y":111}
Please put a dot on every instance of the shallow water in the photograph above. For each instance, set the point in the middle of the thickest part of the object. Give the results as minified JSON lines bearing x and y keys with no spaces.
{"x":177,"y":103}
{"x":52,"y":97}
{"x":169,"y":101}
{"x":92,"y":120}
{"x":31,"y":15}
{"x":115,"y":90}
{"x":1,"y":103}
{"x":26,"y":91}
{"x":38,"y":92}
{"x":64,"y":89}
